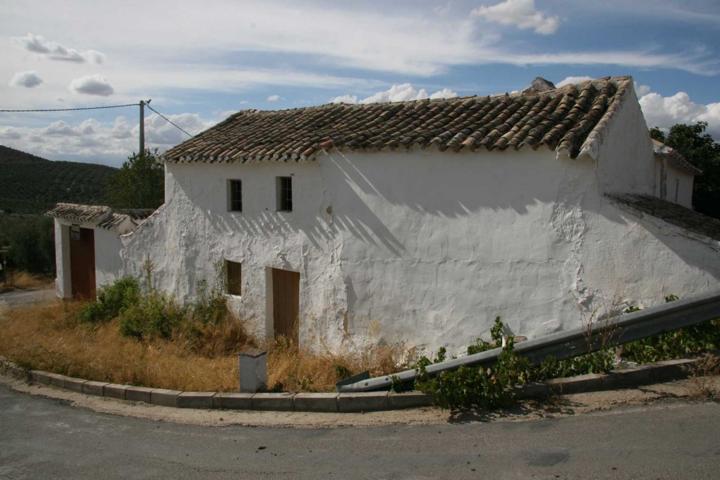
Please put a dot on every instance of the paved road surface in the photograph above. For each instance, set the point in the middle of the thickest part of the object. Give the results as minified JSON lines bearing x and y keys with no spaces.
{"x":44,"y":438}
{"x":25,"y":297}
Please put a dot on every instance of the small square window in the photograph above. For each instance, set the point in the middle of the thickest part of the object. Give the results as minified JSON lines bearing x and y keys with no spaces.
{"x":284,"y":194}
{"x":233,"y":273}
{"x":234,"y":195}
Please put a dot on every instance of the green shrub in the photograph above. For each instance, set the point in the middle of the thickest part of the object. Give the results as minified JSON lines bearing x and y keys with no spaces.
{"x":154,"y":315}
{"x":210,"y":308}
{"x":111,"y":301}
{"x":691,"y":340}
{"x":476,"y":387}
{"x":601,"y":361}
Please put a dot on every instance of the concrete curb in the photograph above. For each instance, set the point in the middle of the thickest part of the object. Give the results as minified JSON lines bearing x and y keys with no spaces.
{"x":345,"y":402}
{"x":621,"y":378}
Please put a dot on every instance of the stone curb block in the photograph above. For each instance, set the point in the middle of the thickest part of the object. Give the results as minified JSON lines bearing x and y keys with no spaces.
{"x":580,"y":383}
{"x":195,"y":400}
{"x":164,"y":397}
{"x":38,"y":376}
{"x":114,"y":390}
{"x":74,"y":384}
{"x":236,"y":401}
{"x":57,"y":380}
{"x":11,"y":368}
{"x":622,"y":378}
{"x":316,"y":402}
{"x":138,"y":394}
{"x":273,"y":401}
{"x":362,"y":401}
{"x":409,"y":400}
{"x":348,"y":402}
{"x":93,"y":388}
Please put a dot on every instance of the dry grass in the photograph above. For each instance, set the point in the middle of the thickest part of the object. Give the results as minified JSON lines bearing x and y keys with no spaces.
{"x":24,"y":281}
{"x":702,"y":384}
{"x":297,"y":370}
{"x":48,"y":337}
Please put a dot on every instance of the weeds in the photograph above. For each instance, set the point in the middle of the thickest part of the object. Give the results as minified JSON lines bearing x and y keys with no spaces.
{"x":111,"y":301}
{"x":703,"y":383}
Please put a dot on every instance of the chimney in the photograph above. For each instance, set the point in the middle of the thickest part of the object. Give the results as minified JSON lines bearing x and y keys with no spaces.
{"x":539,"y":85}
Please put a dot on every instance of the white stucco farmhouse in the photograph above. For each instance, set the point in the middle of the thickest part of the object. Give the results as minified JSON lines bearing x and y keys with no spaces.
{"x":422,"y":221}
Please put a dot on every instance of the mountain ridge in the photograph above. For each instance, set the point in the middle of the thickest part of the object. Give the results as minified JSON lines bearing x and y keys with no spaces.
{"x":32,"y":184}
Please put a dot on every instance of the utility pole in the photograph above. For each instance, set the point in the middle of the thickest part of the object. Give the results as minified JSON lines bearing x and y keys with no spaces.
{"x":142,"y":126}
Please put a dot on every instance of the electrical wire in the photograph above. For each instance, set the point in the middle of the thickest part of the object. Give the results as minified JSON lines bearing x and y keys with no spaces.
{"x":147,"y":104}
{"x":5,"y":110}
{"x":169,"y":121}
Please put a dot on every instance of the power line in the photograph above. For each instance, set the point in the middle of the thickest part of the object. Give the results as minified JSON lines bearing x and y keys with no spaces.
{"x":169,"y":121}
{"x":67,"y":109}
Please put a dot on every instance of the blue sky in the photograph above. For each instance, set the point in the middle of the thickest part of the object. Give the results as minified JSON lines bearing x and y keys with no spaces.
{"x":200,"y":61}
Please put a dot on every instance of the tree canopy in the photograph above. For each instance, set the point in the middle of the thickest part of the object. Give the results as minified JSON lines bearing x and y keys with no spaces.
{"x":140,"y":183}
{"x":699,"y":148}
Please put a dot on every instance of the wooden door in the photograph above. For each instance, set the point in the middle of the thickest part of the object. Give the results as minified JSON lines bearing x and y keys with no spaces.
{"x":286,"y":304}
{"x":82,"y":263}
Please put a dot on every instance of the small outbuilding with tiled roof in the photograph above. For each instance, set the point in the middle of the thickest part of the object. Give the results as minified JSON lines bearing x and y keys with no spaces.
{"x":341,"y":226}
{"x":87,"y":246}
{"x":674,"y":175}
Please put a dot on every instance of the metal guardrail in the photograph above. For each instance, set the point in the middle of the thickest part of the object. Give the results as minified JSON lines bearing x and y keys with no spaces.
{"x":570,"y":343}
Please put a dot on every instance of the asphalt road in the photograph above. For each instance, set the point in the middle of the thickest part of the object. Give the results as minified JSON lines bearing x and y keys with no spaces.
{"x":25,"y":297}
{"x":44,"y":438}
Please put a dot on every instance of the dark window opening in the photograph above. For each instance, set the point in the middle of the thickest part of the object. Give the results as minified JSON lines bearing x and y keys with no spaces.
{"x":234,"y":277}
{"x":284,"y":194}
{"x":235,"y":195}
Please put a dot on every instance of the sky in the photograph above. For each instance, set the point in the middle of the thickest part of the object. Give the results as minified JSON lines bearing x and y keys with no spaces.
{"x":202,"y":61}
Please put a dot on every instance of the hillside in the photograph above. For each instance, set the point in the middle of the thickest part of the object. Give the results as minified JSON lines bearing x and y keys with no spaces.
{"x":30,"y":184}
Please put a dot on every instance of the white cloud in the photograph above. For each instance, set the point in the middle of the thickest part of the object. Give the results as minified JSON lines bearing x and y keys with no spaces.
{"x":444,"y":93}
{"x":345,"y":99}
{"x":60,"y":128}
{"x":160,"y":132}
{"x":9,"y":133}
{"x":521,"y":14}
{"x":56,"y":51}
{"x":664,"y":112}
{"x":273,"y":98}
{"x":641,"y":90}
{"x":93,"y":141}
{"x":92,"y":85}
{"x":27,"y":79}
{"x":396,"y":93}
{"x":572,"y":80}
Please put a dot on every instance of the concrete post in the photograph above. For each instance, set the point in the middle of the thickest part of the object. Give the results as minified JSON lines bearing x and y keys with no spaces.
{"x":253,"y":370}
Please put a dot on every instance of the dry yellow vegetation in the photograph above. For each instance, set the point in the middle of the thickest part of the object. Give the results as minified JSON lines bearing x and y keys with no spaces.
{"x":24,"y":281}
{"x":49,"y":337}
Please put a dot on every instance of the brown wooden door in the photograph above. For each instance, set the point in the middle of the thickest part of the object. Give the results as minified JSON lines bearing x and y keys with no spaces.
{"x":286,"y":304}
{"x":82,"y":263}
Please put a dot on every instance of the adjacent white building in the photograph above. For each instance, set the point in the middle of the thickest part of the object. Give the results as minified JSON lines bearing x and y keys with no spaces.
{"x":420,"y":222}
{"x":674,"y":176}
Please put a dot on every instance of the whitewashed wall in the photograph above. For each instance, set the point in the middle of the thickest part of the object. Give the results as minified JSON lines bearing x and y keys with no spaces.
{"x":672,"y":184}
{"x":63,"y":285}
{"x":679,"y":187}
{"x":107,"y":257}
{"x":426,"y":247}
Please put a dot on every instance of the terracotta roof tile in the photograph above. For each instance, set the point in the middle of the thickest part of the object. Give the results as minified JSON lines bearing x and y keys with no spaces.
{"x":569,"y":119}
{"x":99,"y":215}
